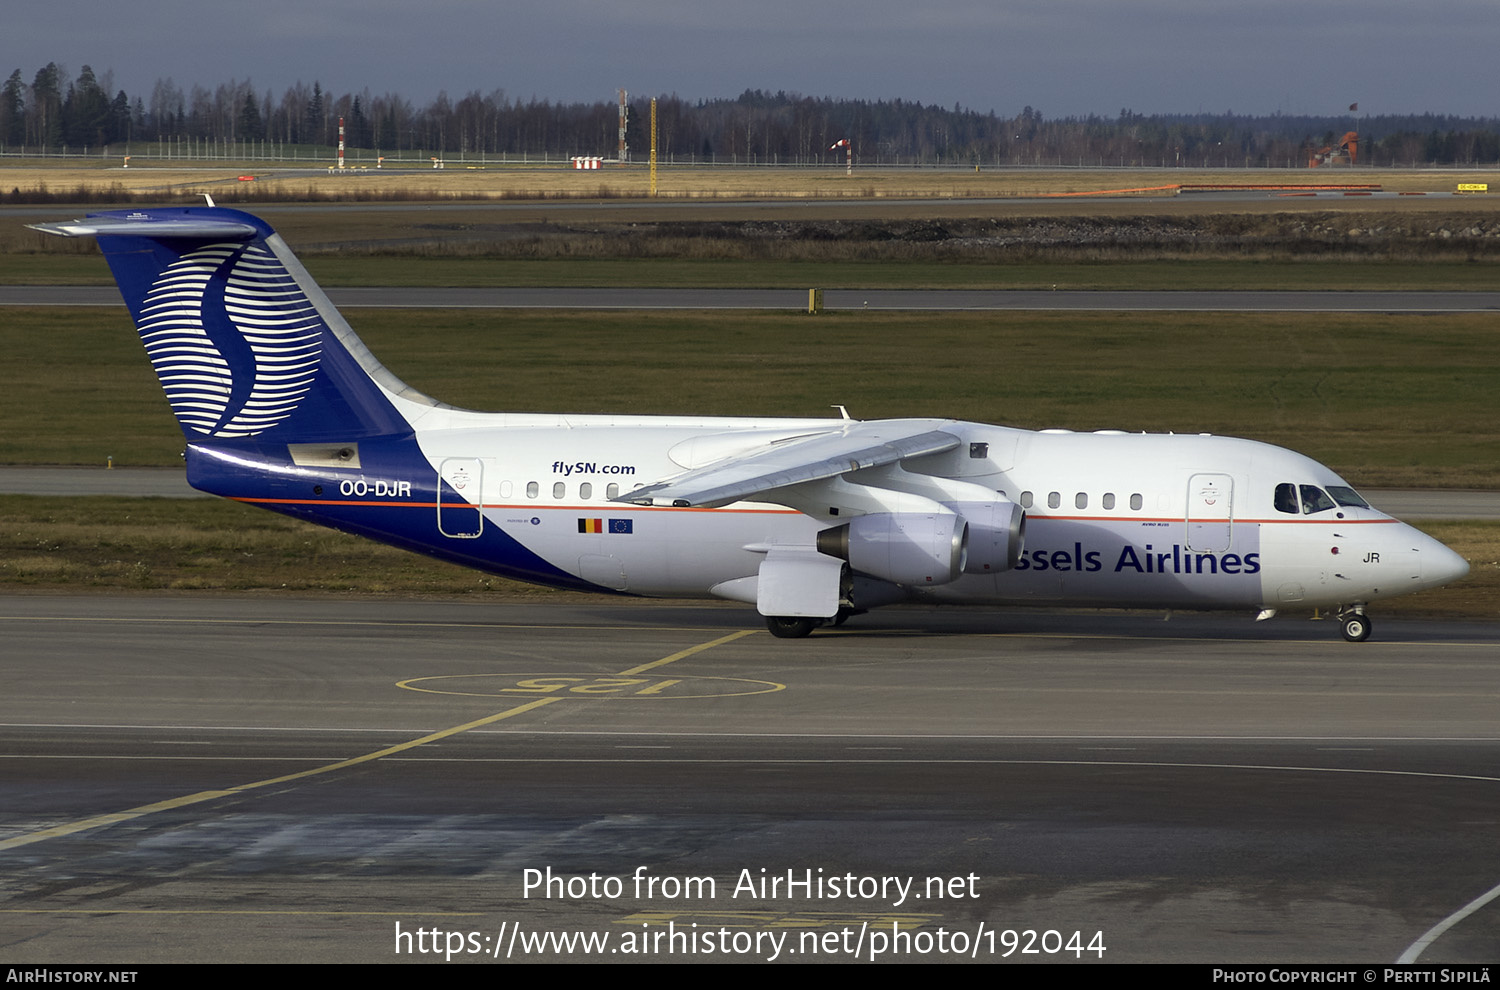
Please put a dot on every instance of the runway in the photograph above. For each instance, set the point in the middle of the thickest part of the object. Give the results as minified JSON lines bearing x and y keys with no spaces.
{"x":837,"y":299}
{"x":305,"y":780}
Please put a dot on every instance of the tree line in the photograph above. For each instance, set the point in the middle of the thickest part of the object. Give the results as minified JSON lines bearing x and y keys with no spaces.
{"x":55,"y":113}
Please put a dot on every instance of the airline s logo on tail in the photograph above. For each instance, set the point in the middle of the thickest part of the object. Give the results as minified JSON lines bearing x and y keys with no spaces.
{"x":233,"y":339}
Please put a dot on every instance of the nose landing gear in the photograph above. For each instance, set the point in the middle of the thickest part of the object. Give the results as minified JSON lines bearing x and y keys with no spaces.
{"x":1354,"y":624}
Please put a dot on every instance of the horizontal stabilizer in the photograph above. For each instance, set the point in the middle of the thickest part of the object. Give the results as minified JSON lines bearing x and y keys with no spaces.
{"x":196,"y":228}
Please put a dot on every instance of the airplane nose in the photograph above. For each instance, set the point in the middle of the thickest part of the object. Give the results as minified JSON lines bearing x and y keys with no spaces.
{"x":1443,"y":566}
{"x":1439,"y":565}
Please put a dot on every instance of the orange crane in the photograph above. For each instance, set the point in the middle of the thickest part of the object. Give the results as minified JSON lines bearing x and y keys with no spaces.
{"x":1345,"y":152}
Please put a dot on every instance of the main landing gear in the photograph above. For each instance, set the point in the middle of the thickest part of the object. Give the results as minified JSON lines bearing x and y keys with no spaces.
{"x":791,"y":626}
{"x":1354,"y":624}
{"x":796,"y":626}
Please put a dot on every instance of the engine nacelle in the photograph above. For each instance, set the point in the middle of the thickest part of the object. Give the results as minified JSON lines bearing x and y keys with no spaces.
{"x":997,"y":534}
{"x":911,"y":548}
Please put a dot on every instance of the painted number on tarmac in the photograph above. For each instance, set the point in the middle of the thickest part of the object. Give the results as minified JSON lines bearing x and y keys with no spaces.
{"x":640,"y":686}
{"x":588,"y":686}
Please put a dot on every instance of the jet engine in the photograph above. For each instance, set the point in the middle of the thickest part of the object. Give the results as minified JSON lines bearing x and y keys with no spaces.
{"x":997,"y":534}
{"x":911,"y":548}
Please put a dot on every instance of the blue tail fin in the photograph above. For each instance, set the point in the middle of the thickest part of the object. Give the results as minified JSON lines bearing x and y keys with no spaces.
{"x":243,"y":340}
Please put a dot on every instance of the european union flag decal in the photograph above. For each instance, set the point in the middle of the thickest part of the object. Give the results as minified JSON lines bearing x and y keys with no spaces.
{"x":621,"y":525}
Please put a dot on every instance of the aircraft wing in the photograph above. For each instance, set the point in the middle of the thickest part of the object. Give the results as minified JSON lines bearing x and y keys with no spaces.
{"x":792,"y":462}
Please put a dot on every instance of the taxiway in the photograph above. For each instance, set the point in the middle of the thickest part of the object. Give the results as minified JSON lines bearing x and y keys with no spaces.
{"x":213,"y":779}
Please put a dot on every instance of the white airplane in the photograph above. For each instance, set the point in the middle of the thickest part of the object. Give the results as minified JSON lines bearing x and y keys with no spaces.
{"x":809,"y":520}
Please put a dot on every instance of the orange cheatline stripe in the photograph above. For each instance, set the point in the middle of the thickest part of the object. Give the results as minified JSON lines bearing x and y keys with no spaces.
{"x":620,"y":507}
{"x":1030,"y":515}
{"x":530,"y":506}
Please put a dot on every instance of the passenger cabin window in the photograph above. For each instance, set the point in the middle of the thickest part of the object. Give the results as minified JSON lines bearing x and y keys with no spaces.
{"x":1025,"y":500}
{"x":532,"y":489}
{"x":585,"y":490}
{"x":1081,"y":500}
{"x":1054,"y":499}
{"x":559,"y":489}
{"x":1109,"y":500}
{"x":612,"y":490}
{"x":1136,"y":501}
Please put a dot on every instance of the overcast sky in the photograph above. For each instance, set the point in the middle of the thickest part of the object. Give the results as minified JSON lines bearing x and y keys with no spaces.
{"x":1063,"y":57}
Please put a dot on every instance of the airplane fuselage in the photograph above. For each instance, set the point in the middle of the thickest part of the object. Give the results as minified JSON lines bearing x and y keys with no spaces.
{"x":1112,"y":519}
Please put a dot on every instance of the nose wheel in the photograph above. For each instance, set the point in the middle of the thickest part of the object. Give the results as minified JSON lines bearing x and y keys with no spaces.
{"x":1355,"y":626}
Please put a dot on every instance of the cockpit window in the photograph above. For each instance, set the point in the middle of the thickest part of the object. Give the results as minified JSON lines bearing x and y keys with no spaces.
{"x":1344,"y":495}
{"x":1314,"y":499}
{"x":1286,"y":499}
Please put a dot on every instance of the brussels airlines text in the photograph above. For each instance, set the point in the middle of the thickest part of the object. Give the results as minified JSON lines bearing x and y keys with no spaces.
{"x":1140,"y":560}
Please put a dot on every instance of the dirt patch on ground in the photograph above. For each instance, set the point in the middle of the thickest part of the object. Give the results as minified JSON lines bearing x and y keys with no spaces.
{"x":1375,"y":235}
{"x":1219,"y":233}
{"x":257,"y":181}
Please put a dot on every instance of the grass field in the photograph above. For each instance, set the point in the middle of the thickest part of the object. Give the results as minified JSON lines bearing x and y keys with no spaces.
{"x":1387,"y":400}
{"x":146,"y":544}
